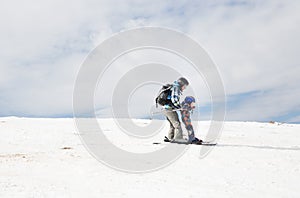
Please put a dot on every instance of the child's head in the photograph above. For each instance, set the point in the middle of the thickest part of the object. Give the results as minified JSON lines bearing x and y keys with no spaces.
{"x":190,"y":100}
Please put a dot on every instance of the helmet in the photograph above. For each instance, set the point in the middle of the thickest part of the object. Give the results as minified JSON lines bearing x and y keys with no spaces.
{"x":189,"y":99}
{"x":182,"y":81}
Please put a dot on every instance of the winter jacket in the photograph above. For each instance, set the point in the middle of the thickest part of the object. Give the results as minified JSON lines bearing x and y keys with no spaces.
{"x":174,"y":97}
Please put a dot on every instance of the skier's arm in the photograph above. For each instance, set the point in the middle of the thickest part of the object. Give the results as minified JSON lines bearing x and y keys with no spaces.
{"x":175,"y":97}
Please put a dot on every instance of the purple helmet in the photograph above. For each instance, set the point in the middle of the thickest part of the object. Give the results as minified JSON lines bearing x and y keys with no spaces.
{"x":189,"y":99}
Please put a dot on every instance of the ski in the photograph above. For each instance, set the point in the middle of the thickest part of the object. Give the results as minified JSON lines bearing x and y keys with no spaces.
{"x":205,"y":143}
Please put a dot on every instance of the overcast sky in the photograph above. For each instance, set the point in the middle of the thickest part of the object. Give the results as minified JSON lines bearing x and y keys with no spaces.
{"x":255,"y":45}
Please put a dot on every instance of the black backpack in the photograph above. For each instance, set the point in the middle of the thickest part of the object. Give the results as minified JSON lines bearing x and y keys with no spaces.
{"x":163,"y":94}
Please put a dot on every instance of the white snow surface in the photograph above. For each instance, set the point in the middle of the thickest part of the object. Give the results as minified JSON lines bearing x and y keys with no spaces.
{"x":43,"y":157}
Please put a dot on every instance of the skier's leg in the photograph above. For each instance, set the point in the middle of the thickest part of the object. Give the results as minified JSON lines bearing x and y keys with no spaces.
{"x":191,"y":134}
{"x":171,"y":130}
{"x":174,"y":119}
{"x":186,"y":117}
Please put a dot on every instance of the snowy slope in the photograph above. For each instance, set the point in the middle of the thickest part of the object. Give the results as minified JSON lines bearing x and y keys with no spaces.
{"x":45,"y":158}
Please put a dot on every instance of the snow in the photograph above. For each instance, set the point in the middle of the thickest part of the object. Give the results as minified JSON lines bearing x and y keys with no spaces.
{"x":43,"y":157}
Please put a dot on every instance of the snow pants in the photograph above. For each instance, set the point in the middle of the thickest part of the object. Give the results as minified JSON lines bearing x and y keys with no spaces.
{"x":175,"y":132}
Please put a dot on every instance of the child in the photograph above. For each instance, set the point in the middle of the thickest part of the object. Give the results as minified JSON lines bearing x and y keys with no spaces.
{"x":187,"y":107}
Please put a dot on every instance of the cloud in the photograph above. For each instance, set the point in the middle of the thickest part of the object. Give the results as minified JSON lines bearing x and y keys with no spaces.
{"x":255,"y":45}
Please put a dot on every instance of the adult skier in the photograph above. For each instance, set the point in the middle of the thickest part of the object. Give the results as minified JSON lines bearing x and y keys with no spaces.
{"x":173,"y":104}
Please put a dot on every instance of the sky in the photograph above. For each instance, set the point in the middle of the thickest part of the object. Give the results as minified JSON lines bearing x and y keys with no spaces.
{"x":255,"y":45}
